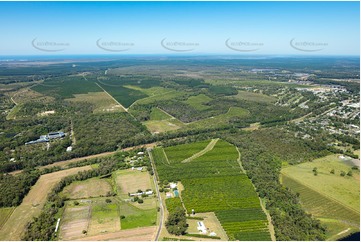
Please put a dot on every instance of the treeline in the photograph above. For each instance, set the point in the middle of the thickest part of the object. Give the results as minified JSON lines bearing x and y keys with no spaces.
{"x":262,"y":160}
{"x":14,"y":188}
{"x":43,"y":226}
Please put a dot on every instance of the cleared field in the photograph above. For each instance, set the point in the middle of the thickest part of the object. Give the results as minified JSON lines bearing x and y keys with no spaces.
{"x":101,"y":101}
{"x":74,"y":221}
{"x":138,"y":234}
{"x":330,"y":185}
{"x":158,"y":114}
{"x":94,"y":187}
{"x":33,"y":203}
{"x":136,"y":217}
{"x":160,"y":126}
{"x":5,"y":214}
{"x":26,"y":95}
{"x":199,"y":101}
{"x":333,"y":214}
{"x":255,"y":97}
{"x":104,"y":218}
{"x":129,"y":181}
{"x":153,"y":91}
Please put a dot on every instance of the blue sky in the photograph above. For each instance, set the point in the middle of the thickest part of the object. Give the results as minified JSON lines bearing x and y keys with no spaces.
{"x":324,"y":28}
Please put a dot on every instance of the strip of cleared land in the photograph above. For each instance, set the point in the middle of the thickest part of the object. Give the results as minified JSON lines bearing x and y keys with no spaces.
{"x":33,"y":203}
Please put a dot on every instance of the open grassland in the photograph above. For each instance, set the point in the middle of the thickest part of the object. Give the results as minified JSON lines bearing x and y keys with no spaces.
{"x":104,"y":218}
{"x":5,"y":214}
{"x":158,"y":114}
{"x":161,"y":122}
{"x":214,"y":182}
{"x":160,"y":126}
{"x":344,"y":189}
{"x":94,"y":187}
{"x":199,"y":101}
{"x":332,"y":213}
{"x":129,"y":181}
{"x":66,"y":87}
{"x":179,"y":153}
{"x":254,"y":97}
{"x":100,"y":100}
{"x":136,"y":217}
{"x":33,"y":203}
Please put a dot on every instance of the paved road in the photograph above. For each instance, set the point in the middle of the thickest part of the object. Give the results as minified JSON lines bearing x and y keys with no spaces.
{"x":161,"y":218}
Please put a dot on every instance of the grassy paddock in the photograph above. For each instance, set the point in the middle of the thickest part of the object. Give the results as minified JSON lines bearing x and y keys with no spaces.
{"x":104,"y":217}
{"x":136,"y":217}
{"x":129,"y":181}
{"x":5,"y":214}
{"x":101,"y":101}
{"x":94,"y":187}
{"x":344,"y":189}
{"x":160,"y":126}
{"x":33,"y":202}
{"x":198,"y":102}
{"x":333,"y":214}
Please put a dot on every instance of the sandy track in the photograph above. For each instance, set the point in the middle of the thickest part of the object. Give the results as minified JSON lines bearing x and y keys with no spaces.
{"x":33,"y":203}
{"x":138,"y":234}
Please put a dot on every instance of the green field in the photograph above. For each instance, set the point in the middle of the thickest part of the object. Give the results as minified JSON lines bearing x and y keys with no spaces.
{"x":136,"y":217}
{"x":330,"y":185}
{"x":158,"y":114}
{"x":179,"y":153}
{"x":160,"y":126}
{"x":333,"y":214}
{"x":214,"y":182}
{"x":101,"y":101}
{"x":66,"y":87}
{"x":255,"y":97}
{"x":104,"y":217}
{"x":4,"y":215}
{"x":198,"y":102}
{"x":161,"y":122}
{"x":123,"y":95}
{"x":332,"y":198}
